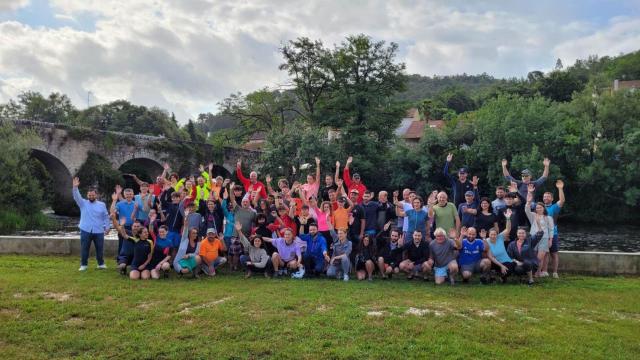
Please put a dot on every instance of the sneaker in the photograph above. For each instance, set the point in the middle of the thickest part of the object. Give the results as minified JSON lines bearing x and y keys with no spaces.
{"x":345,"y":277}
{"x":530,"y":282}
{"x":298,"y":274}
{"x":122,"y":268}
{"x":544,"y":274}
{"x":555,"y":276}
{"x":83,"y":268}
{"x":102,"y":267}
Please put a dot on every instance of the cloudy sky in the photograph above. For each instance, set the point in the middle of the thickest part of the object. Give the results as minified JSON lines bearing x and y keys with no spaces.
{"x":186,"y":55}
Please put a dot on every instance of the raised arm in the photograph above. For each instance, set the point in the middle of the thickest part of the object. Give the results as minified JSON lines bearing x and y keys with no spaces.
{"x":119,"y":226}
{"x":527,"y":207}
{"x":346,"y":175}
{"x":76,"y":193}
{"x":546,"y":162}
{"x":336,"y":177}
{"x":245,"y":182}
{"x":505,"y":171}
{"x":560,"y":186}
{"x":445,"y":171}
{"x":318,"y":171}
{"x":507,"y":229}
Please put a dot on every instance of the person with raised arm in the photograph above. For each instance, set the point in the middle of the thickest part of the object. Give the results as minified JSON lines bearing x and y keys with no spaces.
{"x":553,"y":210}
{"x":288,"y":255}
{"x":94,"y":225}
{"x":459,"y":186}
{"x":341,"y":213}
{"x":329,"y":185}
{"x":161,"y":259}
{"x":500,"y":260}
{"x":126,"y":209}
{"x":353,"y":183}
{"x":142,"y":250}
{"x":443,"y":252}
{"x":526,"y":177}
{"x":257,"y":259}
{"x":251,"y":184}
{"x":540,"y":222}
{"x":312,"y":186}
{"x":186,"y":259}
{"x":468,"y":209}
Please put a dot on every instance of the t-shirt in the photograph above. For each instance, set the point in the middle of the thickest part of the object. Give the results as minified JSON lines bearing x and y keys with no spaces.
{"x":498,"y":204}
{"x":209,"y":251}
{"x":442,"y":253}
{"x":141,"y":251}
{"x":311,"y":189}
{"x":142,"y":203}
{"x":417,"y":221}
{"x":445,"y":216}
{"x":370,"y":215}
{"x":471,"y":251}
{"x":417,"y":254}
{"x":287,"y":252}
{"x":467,"y":219}
{"x":125,"y":209}
{"x":554,"y":211}
{"x":498,"y":250}
{"x":483,"y":221}
{"x":246,"y":217}
{"x":341,"y":218}
{"x":357,"y":214}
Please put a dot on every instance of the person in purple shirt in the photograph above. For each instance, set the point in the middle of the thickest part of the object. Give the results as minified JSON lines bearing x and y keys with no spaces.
{"x":94,"y":225}
{"x":526,"y":177}
{"x":287,"y":255}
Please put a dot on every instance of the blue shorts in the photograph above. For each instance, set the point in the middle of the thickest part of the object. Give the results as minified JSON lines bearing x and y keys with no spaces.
{"x":175,"y":239}
{"x":554,"y":244}
{"x":441,"y":271}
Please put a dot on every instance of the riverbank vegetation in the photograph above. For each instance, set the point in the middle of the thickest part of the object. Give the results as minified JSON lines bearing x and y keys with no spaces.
{"x":50,"y":310}
{"x":350,"y":98}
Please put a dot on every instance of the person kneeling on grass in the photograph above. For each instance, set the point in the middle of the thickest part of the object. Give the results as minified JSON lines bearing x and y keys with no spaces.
{"x":340,"y":262}
{"x":523,"y":252}
{"x":161,"y":259}
{"x":500,"y":260}
{"x":187,"y":259}
{"x":365,"y":259}
{"x":315,"y":254}
{"x":258,"y":260}
{"x":125,"y":256}
{"x":389,"y":253}
{"x":470,"y":259}
{"x":209,"y":253}
{"x":443,"y":253}
{"x":288,"y":255}
{"x":142,"y":251}
{"x":417,"y":256}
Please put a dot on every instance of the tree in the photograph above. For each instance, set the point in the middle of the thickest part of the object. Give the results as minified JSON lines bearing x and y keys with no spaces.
{"x":261,"y":110}
{"x":31,"y":105}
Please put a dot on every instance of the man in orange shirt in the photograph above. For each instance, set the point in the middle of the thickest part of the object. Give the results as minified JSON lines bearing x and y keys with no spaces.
{"x":209,"y":253}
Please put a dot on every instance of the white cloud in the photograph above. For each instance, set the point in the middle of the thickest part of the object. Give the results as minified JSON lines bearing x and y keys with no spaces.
{"x":185,"y":56}
{"x":12,"y":5}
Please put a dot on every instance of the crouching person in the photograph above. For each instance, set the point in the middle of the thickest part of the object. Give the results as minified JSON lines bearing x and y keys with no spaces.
{"x":315,"y":254}
{"x":339,"y":262}
{"x":417,"y":257}
{"x":142,"y":252}
{"x":523,"y":252}
{"x":288,"y":255}
{"x":471,"y":257}
{"x":209,"y":253}
{"x":187,"y":260}
{"x":258,"y":260}
{"x":442,"y":257}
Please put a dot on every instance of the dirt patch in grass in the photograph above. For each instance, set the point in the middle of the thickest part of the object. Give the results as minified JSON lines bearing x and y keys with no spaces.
{"x":376,"y":313}
{"x":74,"y":321}
{"x":423,"y":312}
{"x":57,"y":296}
{"x":188,"y":310}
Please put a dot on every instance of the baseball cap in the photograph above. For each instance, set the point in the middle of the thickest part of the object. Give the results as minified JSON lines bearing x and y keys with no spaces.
{"x":526,"y":172}
{"x":356,"y":175}
{"x":463,"y":170}
{"x":211,"y":231}
{"x":469,"y":193}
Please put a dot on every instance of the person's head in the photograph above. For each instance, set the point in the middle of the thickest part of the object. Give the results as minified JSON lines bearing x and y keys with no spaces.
{"x":405,"y":194}
{"x":394,"y":235}
{"x":417,"y":236}
{"x":152,"y":211}
{"x":253,"y":177}
{"x":472,"y":234}
{"x":341,"y":201}
{"x":163,"y":230}
{"x":135,"y":228}
{"x":366,"y":197}
{"x":440,"y":234}
{"x":304,"y":210}
{"x":193,"y":234}
{"x":212,"y":235}
{"x":194,"y":207}
{"x":442,"y":198}
{"x":508,"y":199}
{"x":174,"y":178}
{"x":211,"y":204}
{"x":469,"y":196}
{"x":485,"y":204}
{"x":219,"y":180}
{"x":526,"y":176}
{"x":462,"y":174}
{"x":288,"y":236}
{"x":353,"y":195}
{"x":500,"y":192}
{"x":283,"y":184}
{"x":522,"y":233}
{"x":493,"y":234}
{"x":282,"y":211}
{"x":342,"y":235}
{"x":313,"y":229}
{"x":261,"y":219}
{"x":175,"y":197}
{"x":547,"y":198}
{"x":310,"y":179}
{"x":256,"y":240}
{"x":313,"y":202}
{"x":237,"y":191}
{"x":160,"y":180}
{"x":144,"y":187}
{"x":128,"y":194}
{"x":541,"y":209}
{"x":188,"y":184}
{"x":184,"y":192}
{"x":383,"y":196}
{"x":332,"y":195}
{"x":356,"y":178}
{"x":328,"y":180}
{"x":366,"y":241}
{"x":200,"y":180}
{"x":417,"y":203}
{"x":245,"y":202}
{"x":325,"y":207}
{"x":92,"y":195}
{"x":412,"y":195}
{"x":263,"y":204}
{"x":143,"y":233}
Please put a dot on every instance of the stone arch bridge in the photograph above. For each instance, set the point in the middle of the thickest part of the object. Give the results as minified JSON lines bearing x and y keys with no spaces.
{"x":64,"y":149}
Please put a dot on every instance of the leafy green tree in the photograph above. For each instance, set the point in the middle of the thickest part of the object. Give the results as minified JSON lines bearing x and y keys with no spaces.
{"x":56,"y":108}
{"x":261,"y":110}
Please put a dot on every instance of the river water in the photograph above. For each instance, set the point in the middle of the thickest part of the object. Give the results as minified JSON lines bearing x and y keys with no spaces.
{"x":573,"y":236}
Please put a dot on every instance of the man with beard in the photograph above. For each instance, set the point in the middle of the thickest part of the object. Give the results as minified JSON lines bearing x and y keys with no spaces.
{"x":94,"y":225}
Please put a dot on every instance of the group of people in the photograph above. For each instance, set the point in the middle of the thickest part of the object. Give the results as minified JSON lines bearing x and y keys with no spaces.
{"x":339,"y":228}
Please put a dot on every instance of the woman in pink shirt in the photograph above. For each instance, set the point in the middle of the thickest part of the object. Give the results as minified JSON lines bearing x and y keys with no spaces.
{"x":313,"y":184}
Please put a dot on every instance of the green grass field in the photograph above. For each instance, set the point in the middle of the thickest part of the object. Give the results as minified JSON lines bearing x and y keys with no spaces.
{"x":49,"y":310}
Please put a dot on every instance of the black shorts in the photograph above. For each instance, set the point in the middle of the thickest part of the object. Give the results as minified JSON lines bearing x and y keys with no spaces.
{"x":554,"y":244}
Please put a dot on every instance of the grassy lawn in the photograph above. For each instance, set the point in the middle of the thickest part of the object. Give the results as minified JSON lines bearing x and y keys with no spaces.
{"x":49,"y":310}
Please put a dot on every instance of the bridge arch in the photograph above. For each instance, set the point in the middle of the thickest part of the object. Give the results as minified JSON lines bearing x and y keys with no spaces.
{"x":61,"y":177}
{"x":146,"y":169}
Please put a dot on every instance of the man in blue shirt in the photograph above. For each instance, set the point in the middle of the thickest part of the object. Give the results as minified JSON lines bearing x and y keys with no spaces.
{"x":126,"y":210}
{"x":460,"y":185}
{"x":468,"y":210}
{"x":471,"y":257}
{"x":553,"y":210}
{"x":94,"y":225}
{"x":315,"y":255}
{"x":526,"y":177}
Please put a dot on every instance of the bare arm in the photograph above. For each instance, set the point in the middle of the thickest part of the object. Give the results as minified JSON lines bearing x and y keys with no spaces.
{"x":560,"y":186}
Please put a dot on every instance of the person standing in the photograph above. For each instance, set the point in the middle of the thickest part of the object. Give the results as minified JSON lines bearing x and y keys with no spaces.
{"x":94,"y":225}
{"x":459,"y":186}
{"x":553,"y":210}
{"x":523,"y":184}
{"x":353,"y":183}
